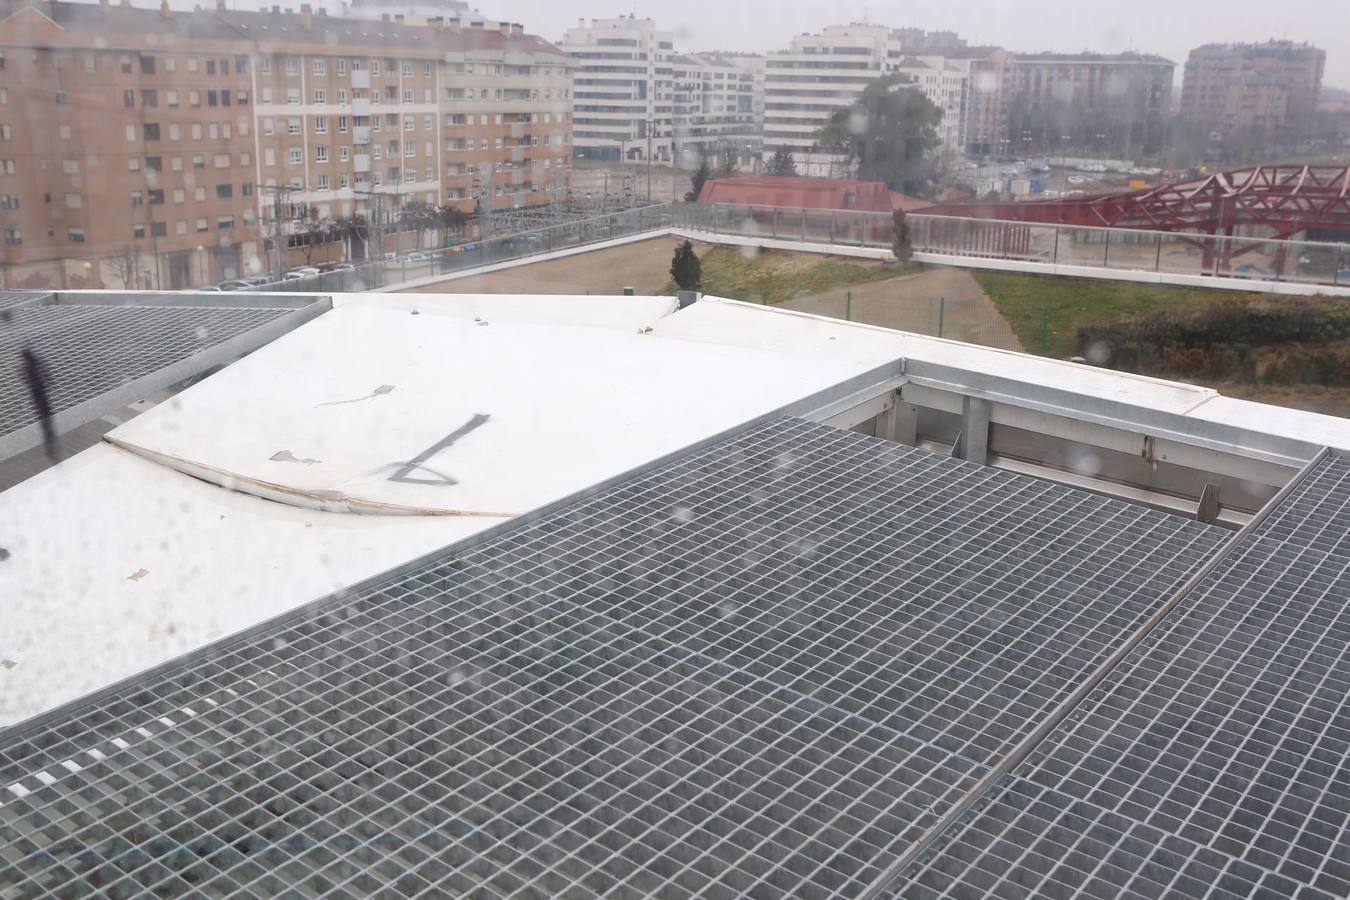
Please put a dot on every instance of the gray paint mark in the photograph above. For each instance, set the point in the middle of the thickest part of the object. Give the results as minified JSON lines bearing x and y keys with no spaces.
{"x":4,"y":554}
{"x":8,"y":663}
{"x":138,"y":575}
{"x":288,"y":456}
{"x":418,"y":462}
{"x":378,"y":392}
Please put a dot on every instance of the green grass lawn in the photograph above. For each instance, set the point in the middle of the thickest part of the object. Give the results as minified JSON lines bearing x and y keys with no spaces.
{"x":1041,"y":307}
{"x":776,"y":276}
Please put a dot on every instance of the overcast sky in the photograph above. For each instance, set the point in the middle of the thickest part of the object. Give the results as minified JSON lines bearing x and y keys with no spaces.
{"x":1167,"y":27}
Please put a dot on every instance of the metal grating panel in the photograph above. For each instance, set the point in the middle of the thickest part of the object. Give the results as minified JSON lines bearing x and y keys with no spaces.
{"x":1215,"y":761}
{"x":13,"y":299}
{"x":762,"y":669}
{"x":89,"y":350}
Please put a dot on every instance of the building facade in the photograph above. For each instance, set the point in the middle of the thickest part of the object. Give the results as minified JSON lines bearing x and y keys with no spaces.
{"x":136,"y":159}
{"x":713,"y":109}
{"x":1114,"y":105}
{"x":1272,"y":88}
{"x":624,"y":88}
{"x":806,"y":83}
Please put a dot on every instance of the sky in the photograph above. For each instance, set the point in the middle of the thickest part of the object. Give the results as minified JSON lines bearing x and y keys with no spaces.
{"x":1169,"y":28}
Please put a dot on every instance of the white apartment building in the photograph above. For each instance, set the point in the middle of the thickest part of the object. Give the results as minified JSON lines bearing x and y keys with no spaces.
{"x":714,"y":108}
{"x":623,"y":88}
{"x":946,"y":83}
{"x":807,"y":82}
{"x":819,"y":73}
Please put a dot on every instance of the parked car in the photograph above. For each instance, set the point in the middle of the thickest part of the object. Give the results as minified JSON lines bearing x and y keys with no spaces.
{"x":302,"y":273}
{"x":257,"y":279}
{"x":335,"y":267}
{"x":235,"y":286}
{"x":418,"y":256}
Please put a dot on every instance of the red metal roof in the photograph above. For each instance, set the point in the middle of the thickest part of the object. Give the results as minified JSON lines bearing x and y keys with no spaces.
{"x":806,"y":193}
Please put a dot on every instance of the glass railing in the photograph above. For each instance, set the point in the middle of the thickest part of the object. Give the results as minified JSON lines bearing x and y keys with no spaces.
{"x":1122,"y":249}
{"x":413,"y":266}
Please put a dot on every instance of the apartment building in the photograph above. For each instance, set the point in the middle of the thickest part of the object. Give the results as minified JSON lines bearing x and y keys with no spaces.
{"x":624,"y":88}
{"x":713,"y":108}
{"x":816,"y":75}
{"x":166,"y":148}
{"x":1271,"y":87}
{"x":946,"y":83}
{"x":1109,"y":104}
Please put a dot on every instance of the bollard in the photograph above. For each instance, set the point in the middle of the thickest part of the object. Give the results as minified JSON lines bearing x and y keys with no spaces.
{"x":1045,"y":332}
{"x":942,"y":313}
{"x":764,"y":298}
{"x":848,"y":308}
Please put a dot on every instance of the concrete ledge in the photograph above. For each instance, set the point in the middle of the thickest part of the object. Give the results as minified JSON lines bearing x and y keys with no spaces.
{"x":1142,"y":276}
{"x":736,"y":240}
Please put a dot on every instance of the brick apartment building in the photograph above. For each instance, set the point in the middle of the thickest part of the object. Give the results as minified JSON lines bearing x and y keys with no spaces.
{"x":142,"y":146}
{"x":1271,"y":87}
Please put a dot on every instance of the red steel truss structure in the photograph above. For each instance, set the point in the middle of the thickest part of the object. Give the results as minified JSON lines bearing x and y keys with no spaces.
{"x":1266,"y":201}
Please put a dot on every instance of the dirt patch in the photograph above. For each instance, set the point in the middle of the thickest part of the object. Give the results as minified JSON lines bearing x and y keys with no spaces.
{"x":644,"y":266}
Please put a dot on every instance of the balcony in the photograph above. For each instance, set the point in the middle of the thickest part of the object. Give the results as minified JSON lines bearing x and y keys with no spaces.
{"x":361,"y":162}
{"x":361,"y":106}
{"x":361,"y":79}
{"x":361,"y":134}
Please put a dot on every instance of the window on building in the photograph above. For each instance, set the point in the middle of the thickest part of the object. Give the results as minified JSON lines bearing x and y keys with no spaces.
{"x":155,"y":196}
{"x":342,"y":66}
{"x":154,"y":164}
{"x":320,"y":95}
{"x":265,"y":64}
{"x":240,"y":65}
{"x":293,"y":96}
{"x":179,"y":195}
{"x":138,"y":229}
{"x":320,"y":66}
{"x":320,"y":124}
{"x":269,"y":156}
{"x":247,"y":189}
{"x":212,"y":99}
{"x":171,"y":99}
{"x":210,"y":67}
{"x":213,"y":130}
{"x":198,"y":161}
{"x":245,"y":159}
{"x":13,"y":235}
{"x":124,"y":63}
{"x":292,"y":65}
{"x":194,"y":98}
{"x":410,"y":176}
{"x":408,"y":96}
{"x":321,"y":153}
{"x":224,"y":191}
{"x":202,"y":224}
{"x":409,"y":123}
{"x":176,"y":163}
{"x":426,"y":70}
{"x":375,"y":68}
{"x":294,"y":156}
{"x":133,"y":164}
{"x":344,"y":181}
{"x":293,"y":125}
{"x":180,"y":227}
{"x":222,"y":160}
{"x":199,"y":194}
{"x":342,"y":124}
{"x":321,"y":182}
{"x":75,"y":234}
{"x":409,"y":149}
{"x":225,"y":223}
{"x":196,"y":131}
{"x":128,"y":98}
{"x":62,"y":98}
{"x":344,"y":153}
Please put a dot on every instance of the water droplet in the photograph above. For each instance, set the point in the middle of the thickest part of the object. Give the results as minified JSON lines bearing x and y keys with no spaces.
{"x":682,"y":514}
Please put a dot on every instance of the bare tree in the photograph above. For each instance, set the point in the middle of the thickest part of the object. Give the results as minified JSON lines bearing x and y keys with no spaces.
{"x":127,"y":264}
{"x":313,"y":230}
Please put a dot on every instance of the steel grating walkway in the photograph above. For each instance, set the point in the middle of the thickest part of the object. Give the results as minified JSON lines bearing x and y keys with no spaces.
{"x":1215,"y":761}
{"x":93,"y":350}
{"x":763,"y":669}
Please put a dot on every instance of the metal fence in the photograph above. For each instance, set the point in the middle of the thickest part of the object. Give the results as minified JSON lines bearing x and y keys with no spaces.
{"x":1179,"y":253}
{"x":473,"y":254}
{"x":1123,"y":249}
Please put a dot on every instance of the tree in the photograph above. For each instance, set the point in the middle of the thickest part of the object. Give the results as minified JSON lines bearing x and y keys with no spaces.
{"x":311,"y":230}
{"x":685,"y":267}
{"x":901,"y":245}
{"x":889,"y":134}
{"x":781,"y":164}
{"x":127,"y":265}
{"x":727,"y":163}
{"x":699,"y":178}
